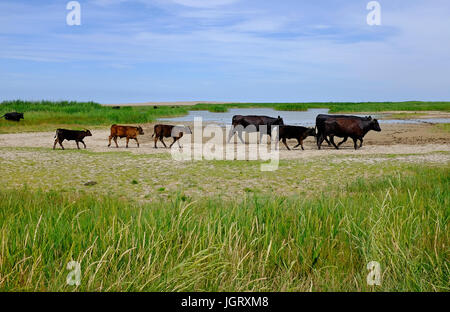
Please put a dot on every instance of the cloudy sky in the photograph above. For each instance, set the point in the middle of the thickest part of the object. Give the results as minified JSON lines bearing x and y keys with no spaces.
{"x":225,"y":50}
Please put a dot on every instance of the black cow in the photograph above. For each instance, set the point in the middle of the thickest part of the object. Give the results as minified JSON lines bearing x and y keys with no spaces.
{"x":241,"y":123}
{"x":295,"y":132}
{"x":71,"y":135}
{"x":355,"y":128}
{"x":320,"y":125}
{"x":13,"y":116}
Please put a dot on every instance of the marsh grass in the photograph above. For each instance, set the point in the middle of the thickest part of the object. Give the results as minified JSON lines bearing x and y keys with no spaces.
{"x":45,"y":115}
{"x":259,"y":243}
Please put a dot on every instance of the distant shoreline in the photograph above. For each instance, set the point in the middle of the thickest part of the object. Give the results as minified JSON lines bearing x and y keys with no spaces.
{"x":179,"y":103}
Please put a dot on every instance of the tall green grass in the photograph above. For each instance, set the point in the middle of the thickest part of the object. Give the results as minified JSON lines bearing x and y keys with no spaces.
{"x":253,"y":244}
{"x":47,"y":115}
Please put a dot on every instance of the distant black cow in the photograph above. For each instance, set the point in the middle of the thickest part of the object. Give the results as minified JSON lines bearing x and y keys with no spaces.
{"x":13,"y":116}
{"x":169,"y":131}
{"x":246,"y":123}
{"x":348,"y":127}
{"x":320,"y":124}
{"x":295,"y":132}
{"x":71,"y":135}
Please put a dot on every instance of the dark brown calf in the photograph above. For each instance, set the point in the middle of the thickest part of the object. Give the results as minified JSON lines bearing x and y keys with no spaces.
{"x":169,"y":131}
{"x":295,"y":132}
{"x":125,"y":132}
{"x":70,"y":135}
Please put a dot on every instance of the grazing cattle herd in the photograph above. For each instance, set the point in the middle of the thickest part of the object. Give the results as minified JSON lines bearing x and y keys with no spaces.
{"x":327,"y":127}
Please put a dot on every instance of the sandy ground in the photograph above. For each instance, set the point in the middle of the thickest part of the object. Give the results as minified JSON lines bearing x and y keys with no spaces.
{"x":394,"y":139}
{"x":159,"y":177}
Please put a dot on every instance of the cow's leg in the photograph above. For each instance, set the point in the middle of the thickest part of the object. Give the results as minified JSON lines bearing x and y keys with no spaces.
{"x":285,"y":144}
{"x":78,"y":145}
{"x":299,"y":140}
{"x":83,"y":143}
{"x":115,"y":141}
{"x":355,"y":143}
{"x":231,"y":134}
{"x":326,"y":140}
{"x":360,"y":145}
{"x":60,"y":143}
{"x":137,"y":142}
{"x":332,"y":142}
{"x":301,"y":143}
{"x":240,"y":136}
{"x":156,"y":140}
{"x":174,"y":140}
{"x":162,"y":141}
{"x":54,"y":144}
{"x":320,"y":139}
{"x":109,"y":139}
{"x":128,"y":140}
{"x":343,"y":141}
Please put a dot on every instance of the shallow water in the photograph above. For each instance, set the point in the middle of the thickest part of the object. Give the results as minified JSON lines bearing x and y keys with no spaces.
{"x":304,"y":118}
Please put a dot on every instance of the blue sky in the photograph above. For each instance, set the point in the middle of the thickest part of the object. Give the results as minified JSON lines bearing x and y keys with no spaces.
{"x":225,"y":50}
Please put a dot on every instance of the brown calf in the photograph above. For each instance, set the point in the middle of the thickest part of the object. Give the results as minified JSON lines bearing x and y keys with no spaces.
{"x":168,"y":131}
{"x":125,"y":132}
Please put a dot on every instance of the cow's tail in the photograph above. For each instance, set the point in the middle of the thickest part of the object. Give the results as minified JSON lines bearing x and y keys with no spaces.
{"x":154,"y":130}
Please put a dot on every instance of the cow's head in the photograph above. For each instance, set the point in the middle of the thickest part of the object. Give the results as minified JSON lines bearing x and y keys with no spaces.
{"x":141,"y":132}
{"x":279,"y":121}
{"x":374,"y":125}
{"x":21,"y":116}
{"x":87,"y":132}
{"x":368,"y":118}
{"x":311,"y":132}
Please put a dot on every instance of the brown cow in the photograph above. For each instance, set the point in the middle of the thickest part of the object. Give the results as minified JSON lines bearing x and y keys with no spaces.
{"x":125,"y":132}
{"x":169,"y":131}
{"x":347,"y":127}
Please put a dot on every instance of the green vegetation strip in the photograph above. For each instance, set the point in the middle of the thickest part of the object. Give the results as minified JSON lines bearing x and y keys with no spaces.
{"x":257,"y":244}
{"x":334,"y":107}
